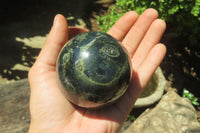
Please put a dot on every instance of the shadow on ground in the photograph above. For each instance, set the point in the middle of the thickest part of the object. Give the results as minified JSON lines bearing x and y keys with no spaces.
{"x":181,"y":64}
{"x":25,"y":19}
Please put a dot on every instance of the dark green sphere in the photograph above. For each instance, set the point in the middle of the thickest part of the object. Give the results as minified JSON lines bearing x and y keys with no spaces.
{"x":93,"y":69}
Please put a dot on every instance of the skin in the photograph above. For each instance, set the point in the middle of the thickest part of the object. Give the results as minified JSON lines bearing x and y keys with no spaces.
{"x":51,"y":112}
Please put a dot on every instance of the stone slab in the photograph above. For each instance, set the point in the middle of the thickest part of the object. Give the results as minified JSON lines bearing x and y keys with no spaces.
{"x":173,"y":114}
{"x":14,"y":107}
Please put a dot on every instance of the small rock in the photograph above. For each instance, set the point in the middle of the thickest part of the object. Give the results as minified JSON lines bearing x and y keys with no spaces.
{"x":23,"y":117}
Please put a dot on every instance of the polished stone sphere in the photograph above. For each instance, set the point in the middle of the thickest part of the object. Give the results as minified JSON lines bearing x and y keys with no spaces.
{"x":93,"y":69}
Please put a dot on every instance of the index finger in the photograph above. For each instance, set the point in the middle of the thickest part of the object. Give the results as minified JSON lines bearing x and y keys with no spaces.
{"x":123,"y":25}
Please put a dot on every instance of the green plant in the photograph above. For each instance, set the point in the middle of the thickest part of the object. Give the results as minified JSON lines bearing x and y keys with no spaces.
{"x":183,"y":15}
{"x":191,"y":97}
{"x":131,"y":118}
{"x":105,"y":22}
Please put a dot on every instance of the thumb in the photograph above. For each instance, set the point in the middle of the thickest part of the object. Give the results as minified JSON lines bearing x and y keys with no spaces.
{"x":57,"y":37}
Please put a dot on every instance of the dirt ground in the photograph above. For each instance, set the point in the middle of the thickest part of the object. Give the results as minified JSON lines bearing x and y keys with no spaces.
{"x":24,"y":26}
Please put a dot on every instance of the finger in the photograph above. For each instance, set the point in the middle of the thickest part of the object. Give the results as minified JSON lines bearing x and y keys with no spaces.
{"x":139,"y":29}
{"x":122,"y":26}
{"x":151,"y":38}
{"x":142,"y":76}
{"x":150,"y":64}
{"x":54,"y":42}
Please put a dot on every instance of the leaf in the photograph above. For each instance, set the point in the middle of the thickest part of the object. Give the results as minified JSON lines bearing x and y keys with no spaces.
{"x":191,"y":97}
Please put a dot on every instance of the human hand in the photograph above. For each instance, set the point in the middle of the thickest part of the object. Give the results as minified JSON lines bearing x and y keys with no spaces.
{"x":51,"y":112}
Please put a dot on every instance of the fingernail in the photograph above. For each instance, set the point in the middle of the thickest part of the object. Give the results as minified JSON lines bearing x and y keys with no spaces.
{"x":55,"y":19}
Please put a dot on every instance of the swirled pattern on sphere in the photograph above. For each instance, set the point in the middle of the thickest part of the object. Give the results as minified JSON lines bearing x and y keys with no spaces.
{"x":93,"y":68}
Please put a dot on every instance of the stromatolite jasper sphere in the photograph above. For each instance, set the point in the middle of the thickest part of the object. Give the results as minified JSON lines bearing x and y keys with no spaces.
{"x":93,"y":69}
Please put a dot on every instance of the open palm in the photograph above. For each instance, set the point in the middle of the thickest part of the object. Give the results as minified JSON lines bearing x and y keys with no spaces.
{"x":51,"y":112}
